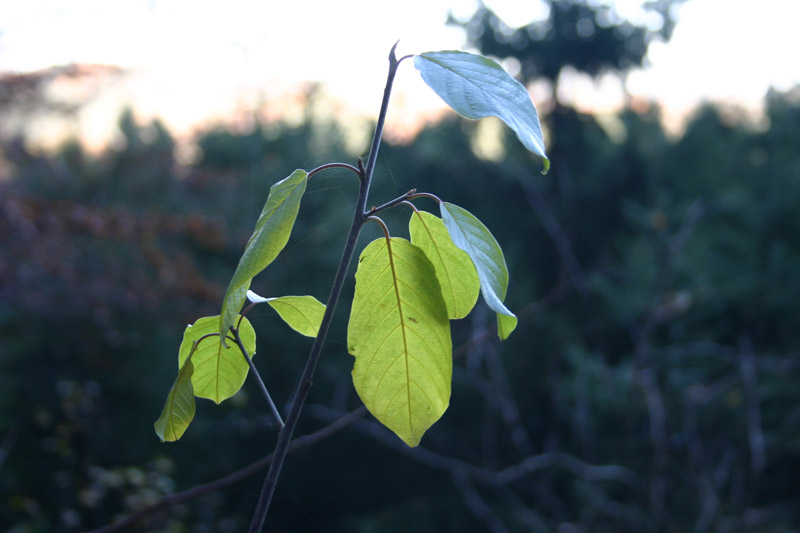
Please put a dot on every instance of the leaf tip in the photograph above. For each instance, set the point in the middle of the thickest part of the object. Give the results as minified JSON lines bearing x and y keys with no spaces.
{"x":546,"y":168}
{"x":411,"y":443}
{"x":506,"y":324}
{"x":159,"y":429}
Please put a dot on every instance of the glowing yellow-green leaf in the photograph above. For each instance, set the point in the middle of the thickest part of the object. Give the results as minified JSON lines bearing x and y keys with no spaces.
{"x":399,"y":333}
{"x":178,"y":410}
{"x":454,"y":269}
{"x":469,"y":234}
{"x":219,"y":371}
{"x":302,"y":313}
{"x":272,"y":231}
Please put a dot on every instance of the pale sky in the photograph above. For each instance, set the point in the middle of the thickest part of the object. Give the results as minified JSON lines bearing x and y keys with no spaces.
{"x":195,"y":60}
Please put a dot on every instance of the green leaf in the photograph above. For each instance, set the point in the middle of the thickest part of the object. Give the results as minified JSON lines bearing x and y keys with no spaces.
{"x":476,"y":87}
{"x":469,"y":234}
{"x":302,"y":313}
{"x":454,"y":269}
{"x":178,"y":410}
{"x":399,"y":333}
{"x":219,"y":370}
{"x":272,"y":231}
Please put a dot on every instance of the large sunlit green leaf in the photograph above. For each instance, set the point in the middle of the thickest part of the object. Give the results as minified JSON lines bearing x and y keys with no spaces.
{"x":399,"y":333}
{"x":469,"y":234}
{"x":302,"y":313}
{"x":219,"y":370}
{"x":178,"y":410}
{"x":476,"y":87}
{"x":272,"y":231}
{"x":454,"y":269}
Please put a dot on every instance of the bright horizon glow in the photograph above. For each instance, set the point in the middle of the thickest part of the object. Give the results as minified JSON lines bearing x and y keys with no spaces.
{"x":193,"y":63}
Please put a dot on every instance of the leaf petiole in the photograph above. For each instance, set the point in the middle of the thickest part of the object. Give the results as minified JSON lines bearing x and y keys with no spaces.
{"x":274,"y":410}
{"x":358,"y":172}
{"x":426,"y":195}
{"x":382,"y":225}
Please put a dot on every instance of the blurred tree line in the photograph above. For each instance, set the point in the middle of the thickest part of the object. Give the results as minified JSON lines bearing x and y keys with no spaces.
{"x":650,"y":386}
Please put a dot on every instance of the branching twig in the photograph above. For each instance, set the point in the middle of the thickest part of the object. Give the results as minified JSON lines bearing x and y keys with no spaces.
{"x":391,"y":203}
{"x":304,"y":385}
{"x":306,"y":440}
{"x":668,"y":250}
{"x":707,"y":495}
{"x":755,"y":434}
{"x":571,"y":464}
{"x":477,"y":505}
{"x":234,"y":477}
{"x":557,"y":234}
{"x":494,"y":478}
{"x":510,"y":409}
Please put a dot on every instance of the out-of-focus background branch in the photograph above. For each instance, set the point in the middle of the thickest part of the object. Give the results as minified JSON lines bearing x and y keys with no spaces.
{"x":650,"y":385}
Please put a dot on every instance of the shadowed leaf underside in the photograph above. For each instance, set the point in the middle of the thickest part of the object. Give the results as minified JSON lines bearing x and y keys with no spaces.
{"x":472,"y":236}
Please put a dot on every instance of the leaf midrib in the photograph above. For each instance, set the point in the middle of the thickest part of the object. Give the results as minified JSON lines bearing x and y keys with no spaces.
{"x":403,"y":331}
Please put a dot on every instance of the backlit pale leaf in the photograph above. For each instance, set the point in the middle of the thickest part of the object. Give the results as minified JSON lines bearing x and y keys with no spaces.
{"x":476,"y":87}
{"x":469,"y":234}
{"x":454,"y":269}
{"x":399,"y":333}
{"x":219,"y":371}
{"x":302,"y":313}
{"x":272,"y":231}
{"x":178,"y":409}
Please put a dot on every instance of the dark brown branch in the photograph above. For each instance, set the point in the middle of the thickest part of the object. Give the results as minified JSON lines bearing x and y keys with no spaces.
{"x":555,"y":231}
{"x":493,"y":478}
{"x":232,"y":478}
{"x":477,"y":505}
{"x":668,"y":248}
{"x":706,"y":493}
{"x":755,"y":434}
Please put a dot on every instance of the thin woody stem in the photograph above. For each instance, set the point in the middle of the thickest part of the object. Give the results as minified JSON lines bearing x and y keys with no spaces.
{"x":412,"y":206}
{"x":410,"y":195}
{"x":175,"y":498}
{"x":392,"y":203}
{"x":304,"y":385}
{"x":382,"y":225}
{"x":378,"y":136}
{"x":334,"y":165}
{"x":274,"y":410}
{"x":425,"y":195}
